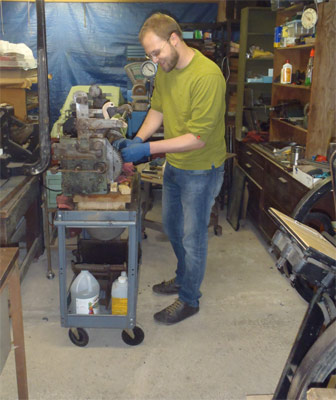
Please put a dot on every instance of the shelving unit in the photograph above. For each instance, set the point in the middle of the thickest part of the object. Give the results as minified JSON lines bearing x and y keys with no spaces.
{"x":320,"y":95}
{"x":221,"y":35}
{"x":271,"y":183}
{"x":298,"y":56}
{"x":256,"y":28}
{"x":231,"y":88}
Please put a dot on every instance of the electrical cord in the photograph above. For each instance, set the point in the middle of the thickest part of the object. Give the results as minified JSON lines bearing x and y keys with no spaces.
{"x":48,"y":188}
{"x":226,"y":59}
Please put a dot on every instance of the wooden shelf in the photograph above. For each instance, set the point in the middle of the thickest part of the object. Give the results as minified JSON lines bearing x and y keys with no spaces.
{"x":291,"y":86}
{"x":291,"y":9}
{"x":298,"y":47}
{"x":257,"y":83}
{"x":260,"y":34}
{"x":260,"y":59}
{"x":297,"y":127}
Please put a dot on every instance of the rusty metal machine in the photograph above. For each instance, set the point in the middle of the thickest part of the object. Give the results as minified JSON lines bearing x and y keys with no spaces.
{"x":89,"y":163}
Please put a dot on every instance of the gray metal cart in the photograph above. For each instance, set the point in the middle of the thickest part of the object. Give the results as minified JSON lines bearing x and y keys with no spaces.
{"x":130,"y":219}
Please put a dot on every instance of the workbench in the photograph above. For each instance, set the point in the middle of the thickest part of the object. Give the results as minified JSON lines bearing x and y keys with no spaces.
{"x":10,"y":278}
{"x":21,"y":217}
{"x":148,"y":180}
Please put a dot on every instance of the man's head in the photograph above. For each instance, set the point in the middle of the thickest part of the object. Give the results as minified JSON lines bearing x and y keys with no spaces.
{"x":159,"y":36}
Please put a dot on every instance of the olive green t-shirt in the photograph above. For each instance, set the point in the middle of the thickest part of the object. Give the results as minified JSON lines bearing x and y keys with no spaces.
{"x":192,"y":100}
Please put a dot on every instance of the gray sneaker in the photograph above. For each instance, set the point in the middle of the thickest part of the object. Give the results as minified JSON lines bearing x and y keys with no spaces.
{"x":176,"y":312}
{"x":167,"y":287}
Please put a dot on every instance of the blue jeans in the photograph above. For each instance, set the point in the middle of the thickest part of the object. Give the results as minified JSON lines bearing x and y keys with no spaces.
{"x":188,"y":197}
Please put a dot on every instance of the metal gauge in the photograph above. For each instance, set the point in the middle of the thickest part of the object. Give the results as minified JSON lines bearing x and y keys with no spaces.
{"x":309,"y":18}
{"x":148,"y":69}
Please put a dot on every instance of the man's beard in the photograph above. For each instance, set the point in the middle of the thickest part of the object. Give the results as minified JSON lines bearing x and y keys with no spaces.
{"x":170,"y":63}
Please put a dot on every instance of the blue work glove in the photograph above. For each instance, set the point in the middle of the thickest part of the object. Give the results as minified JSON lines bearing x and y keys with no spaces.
{"x":122,"y":143}
{"x":135,"y":152}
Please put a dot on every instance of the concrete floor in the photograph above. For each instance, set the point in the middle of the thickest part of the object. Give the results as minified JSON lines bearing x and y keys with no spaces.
{"x":235,"y":346}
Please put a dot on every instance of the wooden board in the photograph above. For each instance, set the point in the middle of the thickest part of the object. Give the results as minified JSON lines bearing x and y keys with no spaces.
{"x":236,"y":198}
{"x":309,"y":236}
{"x":8,"y":256}
{"x":10,"y":187}
{"x":110,"y":201}
{"x":322,"y":116}
{"x":321,"y":394}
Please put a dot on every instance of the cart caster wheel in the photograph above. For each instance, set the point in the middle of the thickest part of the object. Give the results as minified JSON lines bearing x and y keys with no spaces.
{"x":79,"y":336}
{"x":144,"y":235}
{"x":133,"y":337}
{"x":218,"y":230}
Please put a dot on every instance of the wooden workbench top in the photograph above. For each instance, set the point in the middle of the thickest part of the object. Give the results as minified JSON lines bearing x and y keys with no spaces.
{"x":8,"y":256}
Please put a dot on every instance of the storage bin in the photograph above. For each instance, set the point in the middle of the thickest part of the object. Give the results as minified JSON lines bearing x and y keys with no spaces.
{"x":54,"y":183}
{"x":187,"y":35}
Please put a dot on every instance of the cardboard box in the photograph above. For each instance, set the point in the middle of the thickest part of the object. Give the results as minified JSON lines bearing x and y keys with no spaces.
{"x":300,"y":174}
{"x":17,"y":73}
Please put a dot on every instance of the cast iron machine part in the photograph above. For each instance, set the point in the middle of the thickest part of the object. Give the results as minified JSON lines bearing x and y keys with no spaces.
{"x":19,"y":141}
{"x":89,"y":162}
{"x":26,"y":163}
{"x":312,"y":359}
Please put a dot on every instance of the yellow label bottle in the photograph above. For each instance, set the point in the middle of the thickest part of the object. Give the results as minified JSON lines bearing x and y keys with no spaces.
{"x":286,"y":73}
{"x":119,"y":295}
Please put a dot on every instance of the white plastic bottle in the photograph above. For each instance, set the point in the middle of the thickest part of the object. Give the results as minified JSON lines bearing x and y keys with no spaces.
{"x":119,"y":295}
{"x":286,"y":73}
{"x":85,"y":294}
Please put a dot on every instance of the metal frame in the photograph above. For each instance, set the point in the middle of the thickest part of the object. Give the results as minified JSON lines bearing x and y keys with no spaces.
{"x":100,"y":219}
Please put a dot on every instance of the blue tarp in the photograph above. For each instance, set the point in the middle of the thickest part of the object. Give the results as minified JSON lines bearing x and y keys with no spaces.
{"x":86,"y":42}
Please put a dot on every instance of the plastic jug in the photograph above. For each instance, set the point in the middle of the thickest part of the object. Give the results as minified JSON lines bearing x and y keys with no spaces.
{"x":119,"y":295}
{"x":286,"y":73}
{"x":85,"y":294}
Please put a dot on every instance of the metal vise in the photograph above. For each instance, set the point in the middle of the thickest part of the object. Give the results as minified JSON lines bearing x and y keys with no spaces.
{"x":89,"y":163}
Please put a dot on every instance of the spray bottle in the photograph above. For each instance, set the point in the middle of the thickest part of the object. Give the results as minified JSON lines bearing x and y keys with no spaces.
{"x":309,"y":70}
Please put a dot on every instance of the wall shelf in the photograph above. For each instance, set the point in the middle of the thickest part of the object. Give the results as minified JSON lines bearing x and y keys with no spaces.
{"x":298,"y":47}
{"x":257,"y":28}
{"x":285,"y":123}
{"x":260,"y":34}
{"x":292,"y":86}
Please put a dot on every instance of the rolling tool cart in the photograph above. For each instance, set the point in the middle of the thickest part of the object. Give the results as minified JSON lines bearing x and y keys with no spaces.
{"x":130,"y":219}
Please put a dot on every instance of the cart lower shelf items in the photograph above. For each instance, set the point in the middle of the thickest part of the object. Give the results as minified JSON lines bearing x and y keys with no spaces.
{"x":129,"y":219}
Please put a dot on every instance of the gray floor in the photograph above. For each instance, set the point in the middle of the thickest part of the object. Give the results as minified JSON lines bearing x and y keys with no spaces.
{"x":235,"y":346}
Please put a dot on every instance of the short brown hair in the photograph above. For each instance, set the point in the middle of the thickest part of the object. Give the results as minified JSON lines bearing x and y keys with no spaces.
{"x":162,"y":25}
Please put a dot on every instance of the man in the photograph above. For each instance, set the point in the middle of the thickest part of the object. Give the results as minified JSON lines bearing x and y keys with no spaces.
{"x":189,"y":99}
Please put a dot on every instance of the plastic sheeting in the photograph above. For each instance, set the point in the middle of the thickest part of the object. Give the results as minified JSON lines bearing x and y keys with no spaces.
{"x":86,"y":42}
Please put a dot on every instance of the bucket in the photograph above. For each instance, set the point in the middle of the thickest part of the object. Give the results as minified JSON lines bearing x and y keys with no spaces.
{"x":85,"y":294}
{"x":297,"y":152}
{"x":119,"y":295}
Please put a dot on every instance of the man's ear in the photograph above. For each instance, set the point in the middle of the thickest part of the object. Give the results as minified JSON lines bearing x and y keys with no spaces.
{"x":174,"y":39}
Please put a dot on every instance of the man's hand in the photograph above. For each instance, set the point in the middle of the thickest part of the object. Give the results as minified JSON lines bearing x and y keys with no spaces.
{"x":123,"y":143}
{"x":135,"y":152}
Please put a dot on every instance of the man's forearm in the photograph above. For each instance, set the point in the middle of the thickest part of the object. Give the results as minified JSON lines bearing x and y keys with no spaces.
{"x":179,"y":144}
{"x":151,"y":124}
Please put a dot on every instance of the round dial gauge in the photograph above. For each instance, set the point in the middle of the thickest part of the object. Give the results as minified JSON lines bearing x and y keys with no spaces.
{"x":148,"y":69}
{"x":309,"y":18}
